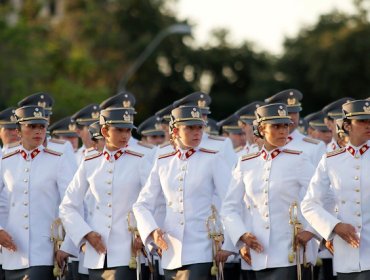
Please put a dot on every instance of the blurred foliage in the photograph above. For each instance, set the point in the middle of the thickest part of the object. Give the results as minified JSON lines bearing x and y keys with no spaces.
{"x":81,"y":55}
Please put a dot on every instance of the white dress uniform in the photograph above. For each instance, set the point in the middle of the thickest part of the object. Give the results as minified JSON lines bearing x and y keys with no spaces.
{"x":35,"y":182}
{"x":272,"y":181}
{"x":332,"y":146}
{"x":187,"y":179}
{"x":247,"y":149}
{"x":115,"y":180}
{"x":148,"y":150}
{"x":347,"y":171}
{"x":313,"y":148}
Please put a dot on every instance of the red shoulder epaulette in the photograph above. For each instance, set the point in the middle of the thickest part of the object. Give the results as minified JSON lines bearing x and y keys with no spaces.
{"x":93,"y":156}
{"x":10,"y":154}
{"x":250,"y":156}
{"x":55,"y":153}
{"x":168,"y":155}
{"x":336,"y":152}
{"x":208,"y":151}
{"x":293,"y":152}
{"x":134,"y":153}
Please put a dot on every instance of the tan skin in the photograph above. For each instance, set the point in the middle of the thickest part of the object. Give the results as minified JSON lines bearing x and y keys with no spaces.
{"x":8,"y":135}
{"x":359,"y":134}
{"x":248,"y":130}
{"x":186,"y":137}
{"x":84,"y":134}
{"x":238,"y":139}
{"x":115,"y":138}
{"x":275,"y":136}
{"x":32,"y":136}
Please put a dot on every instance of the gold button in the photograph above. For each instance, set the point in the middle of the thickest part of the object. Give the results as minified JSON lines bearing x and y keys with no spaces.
{"x":25,"y":215}
{"x":266,"y":215}
{"x":26,"y":170}
{"x":26,"y":227}
{"x":25,"y":180}
{"x":359,"y":227}
{"x":358,"y":202}
{"x":357,"y":156}
{"x":180,"y":189}
{"x":169,"y":203}
{"x":109,"y":182}
{"x":108,"y":226}
{"x":109,"y":216}
{"x":358,"y":214}
{"x":181,"y":179}
{"x":110,"y":171}
{"x":343,"y":202}
{"x":357,"y":190}
{"x":180,"y":200}
{"x":266,"y":179}
{"x":356,"y":177}
{"x":25,"y":203}
{"x":267,"y":227}
{"x":109,"y":205}
{"x":268,"y":168}
{"x":266,"y":203}
{"x":181,"y":212}
{"x":357,"y":167}
{"x":25,"y":192}
{"x":109,"y":193}
{"x":183,"y":168}
{"x":182,"y":223}
{"x":265,"y":190}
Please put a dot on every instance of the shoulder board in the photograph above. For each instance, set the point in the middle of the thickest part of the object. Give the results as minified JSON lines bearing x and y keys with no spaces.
{"x":10,"y":154}
{"x":311,"y":140}
{"x":165,"y":144}
{"x":57,"y":141}
{"x":52,"y":152}
{"x":93,"y":156}
{"x":15,"y":144}
{"x":336,"y":152}
{"x":294,"y":152}
{"x":91,"y":149}
{"x":218,"y":138}
{"x":168,"y":155}
{"x":134,"y":153}
{"x":149,"y":146}
{"x":208,"y":151}
{"x":238,"y":149}
{"x":250,"y":156}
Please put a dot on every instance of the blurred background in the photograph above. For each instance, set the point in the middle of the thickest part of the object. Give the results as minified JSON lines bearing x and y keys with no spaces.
{"x":238,"y":51}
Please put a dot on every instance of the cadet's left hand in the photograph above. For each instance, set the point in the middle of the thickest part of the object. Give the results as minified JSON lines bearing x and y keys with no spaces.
{"x":61,"y":258}
{"x":304,"y":236}
{"x":138,"y":244}
{"x":222,"y":256}
{"x":245,"y":253}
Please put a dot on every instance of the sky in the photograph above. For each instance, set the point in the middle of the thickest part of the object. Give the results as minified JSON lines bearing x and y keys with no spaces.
{"x":264,"y":22}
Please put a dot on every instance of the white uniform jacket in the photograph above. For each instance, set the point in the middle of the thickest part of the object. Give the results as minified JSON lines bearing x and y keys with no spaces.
{"x":271,"y":182}
{"x":313,"y":148}
{"x":332,"y":146}
{"x":223,"y":145}
{"x":188,"y":181}
{"x":115,"y":180}
{"x":35,"y":187}
{"x":347,"y":171}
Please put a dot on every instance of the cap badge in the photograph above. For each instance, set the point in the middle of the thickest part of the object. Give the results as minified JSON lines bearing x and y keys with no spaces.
{"x":281,"y":111}
{"x":158,"y":126}
{"x":126,"y":117}
{"x":95,"y":115}
{"x":126,"y":104}
{"x":195,"y":113}
{"x":72,"y":127}
{"x":41,"y":104}
{"x":366,"y":107}
{"x":291,"y":101}
{"x":13,"y":118}
{"x":37,"y":114}
{"x":202,"y":103}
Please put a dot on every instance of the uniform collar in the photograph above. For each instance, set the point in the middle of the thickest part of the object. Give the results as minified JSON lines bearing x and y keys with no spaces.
{"x":353,"y":150}
{"x":185,"y":154}
{"x":115,"y":155}
{"x":29,"y":155}
{"x":267,"y":155}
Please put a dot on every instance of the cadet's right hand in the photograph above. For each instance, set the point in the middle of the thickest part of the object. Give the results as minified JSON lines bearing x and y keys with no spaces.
{"x":96,"y":241}
{"x":7,"y":241}
{"x":158,"y":237}
{"x":252,"y":242}
{"x":348,"y":233}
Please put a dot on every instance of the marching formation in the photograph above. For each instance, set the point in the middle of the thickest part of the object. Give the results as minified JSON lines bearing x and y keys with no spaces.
{"x":262,"y":194}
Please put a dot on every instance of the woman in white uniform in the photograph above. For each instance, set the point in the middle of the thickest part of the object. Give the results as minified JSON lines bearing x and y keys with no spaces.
{"x":188,"y":179}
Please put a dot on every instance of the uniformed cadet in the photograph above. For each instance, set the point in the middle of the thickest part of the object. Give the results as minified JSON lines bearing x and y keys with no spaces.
{"x":83,"y":118}
{"x":165,"y":114}
{"x":8,"y":128}
{"x":313,"y":148}
{"x":212,"y":127}
{"x":96,"y":137}
{"x":127,"y":100}
{"x":231,"y":129}
{"x":36,"y":179}
{"x":246,"y":118}
{"x":317,"y":127}
{"x":115,"y":177}
{"x":187,"y":178}
{"x":302,"y":126}
{"x":46,"y":101}
{"x":272,"y":179}
{"x":65,"y":129}
{"x":151,"y":131}
{"x":221,"y":144}
{"x":9,"y":137}
{"x":346,"y":172}
{"x":333,"y":112}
